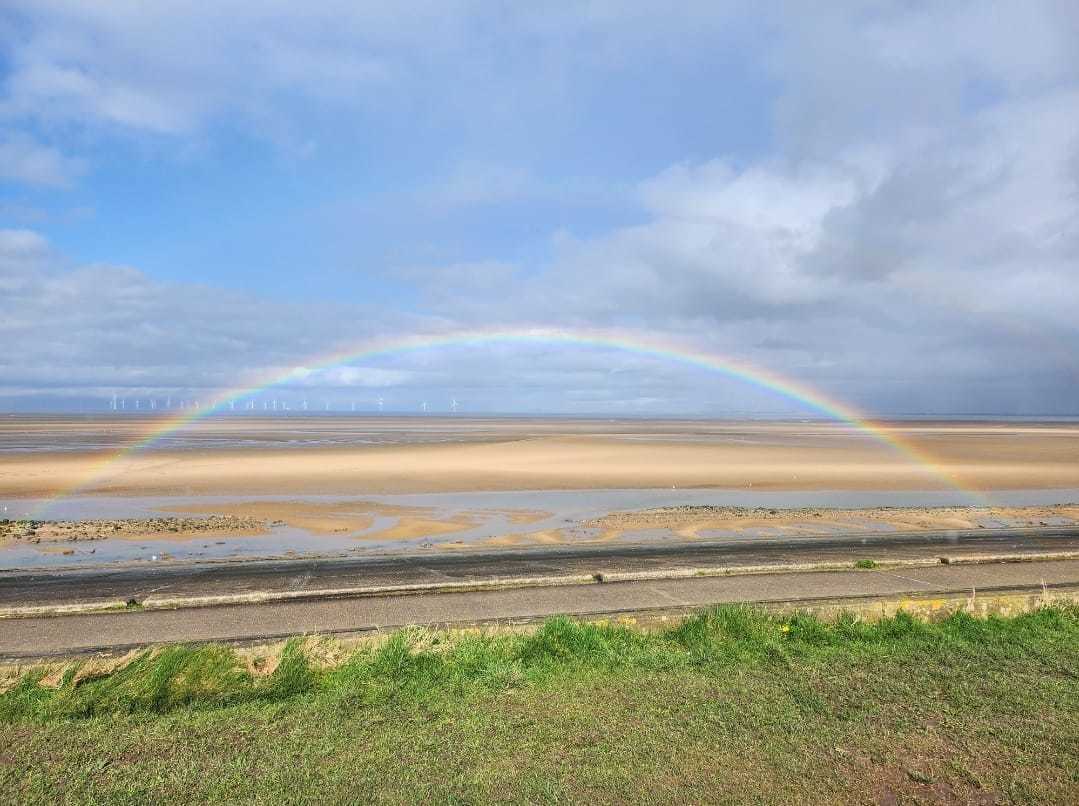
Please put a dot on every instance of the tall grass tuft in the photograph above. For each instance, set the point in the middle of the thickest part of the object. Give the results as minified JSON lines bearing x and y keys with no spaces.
{"x":411,"y":666}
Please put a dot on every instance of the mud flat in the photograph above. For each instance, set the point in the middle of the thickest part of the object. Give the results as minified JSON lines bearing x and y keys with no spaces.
{"x":383,"y":525}
{"x":47,"y":532}
{"x":365,"y":520}
{"x":708,"y":521}
{"x":374,"y":522}
{"x":315,"y":486}
{"x":361,"y":456}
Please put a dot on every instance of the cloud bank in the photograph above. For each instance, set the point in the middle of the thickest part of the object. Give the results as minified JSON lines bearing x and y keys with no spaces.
{"x":881,"y":200}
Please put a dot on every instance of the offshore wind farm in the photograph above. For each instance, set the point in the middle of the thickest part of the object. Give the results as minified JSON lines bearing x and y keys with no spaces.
{"x":316,"y":480}
{"x":317,"y":484}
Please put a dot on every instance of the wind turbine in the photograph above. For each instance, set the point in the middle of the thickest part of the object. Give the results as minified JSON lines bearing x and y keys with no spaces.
{"x":380,"y":405}
{"x":424,"y":405}
{"x":114,"y":402}
{"x":453,"y":405}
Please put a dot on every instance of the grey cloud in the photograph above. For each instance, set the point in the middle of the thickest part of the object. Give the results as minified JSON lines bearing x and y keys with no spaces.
{"x":910,"y":240}
{"x":938,"y":269}
{"x":853,"y":73}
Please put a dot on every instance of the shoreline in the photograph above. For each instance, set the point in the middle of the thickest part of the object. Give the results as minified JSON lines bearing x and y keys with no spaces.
{"x":254,"y":531}
{"x":451,"y":483}
{"x":844,"y":461}
{"x":375,"y":455}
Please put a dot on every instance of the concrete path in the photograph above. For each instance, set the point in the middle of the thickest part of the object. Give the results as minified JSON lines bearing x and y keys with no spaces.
{"x":42,"y":637}
{"x":175,"y":580}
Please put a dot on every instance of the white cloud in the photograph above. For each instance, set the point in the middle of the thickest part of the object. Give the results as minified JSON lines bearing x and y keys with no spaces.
{"x":23,"y":160}
{"x":17,"y":244}
{"x":362,"y":377}
{"x":97,"y":325}
{"x":169,"y":68}
{"x":908,"y":231}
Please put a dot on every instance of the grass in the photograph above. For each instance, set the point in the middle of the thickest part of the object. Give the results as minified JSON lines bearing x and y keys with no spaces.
{"x":730,"y":706}
{"x":867,"y":564}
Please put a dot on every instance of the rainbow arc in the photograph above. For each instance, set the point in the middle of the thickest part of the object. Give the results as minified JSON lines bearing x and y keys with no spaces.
{"x":627,"y":341}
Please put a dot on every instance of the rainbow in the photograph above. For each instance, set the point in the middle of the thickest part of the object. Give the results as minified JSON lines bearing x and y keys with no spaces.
{"x":646,"y":345}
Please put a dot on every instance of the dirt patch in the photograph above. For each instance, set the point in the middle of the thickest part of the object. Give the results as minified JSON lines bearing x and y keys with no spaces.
{"x":11,"y":676}
{"x":53,"y":675}
{"x":324,"y":652}
{"x":103,"y":667}
{"x":260,"y":661}
{"x":897,"y":785}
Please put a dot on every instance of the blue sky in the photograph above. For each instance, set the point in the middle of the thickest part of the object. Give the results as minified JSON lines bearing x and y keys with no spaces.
{"x":878,"y":199}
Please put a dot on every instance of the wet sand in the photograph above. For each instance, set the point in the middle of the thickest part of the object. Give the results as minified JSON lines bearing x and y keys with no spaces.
{"x":409,"y":525}
{"x":353,"y":518}
{"x":366,"y":455}
{"x":326,"y":485}
{"x":164,"y":528}
{"x":706,"y":521}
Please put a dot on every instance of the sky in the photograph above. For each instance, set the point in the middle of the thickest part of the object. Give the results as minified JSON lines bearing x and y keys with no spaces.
{"x":878,"y":200}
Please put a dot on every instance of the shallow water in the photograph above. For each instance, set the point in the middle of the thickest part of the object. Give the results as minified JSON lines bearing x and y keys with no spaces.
{"x":567,"y":510}
{"x":298,"y":430}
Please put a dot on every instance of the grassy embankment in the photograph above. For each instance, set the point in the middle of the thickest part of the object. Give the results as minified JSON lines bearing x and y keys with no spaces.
{"x":731,"y":706}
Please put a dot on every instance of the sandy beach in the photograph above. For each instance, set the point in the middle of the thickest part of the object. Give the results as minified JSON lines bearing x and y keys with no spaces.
{"x":237,"y":486}
{"x":48,"y":456}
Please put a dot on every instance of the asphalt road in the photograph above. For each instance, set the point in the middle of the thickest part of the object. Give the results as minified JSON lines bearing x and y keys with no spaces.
{"x":217,"y":578}
{"x":42,"y":637}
